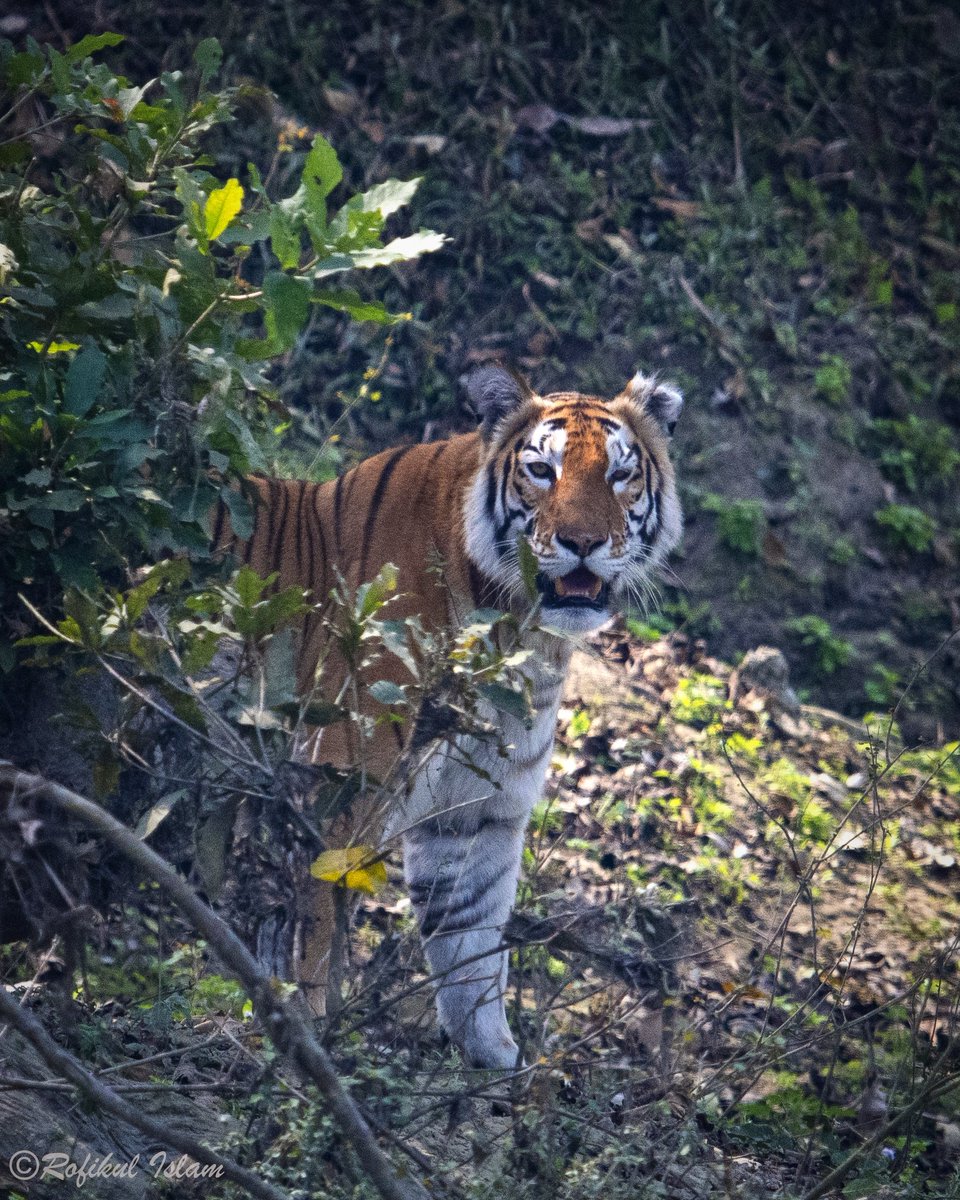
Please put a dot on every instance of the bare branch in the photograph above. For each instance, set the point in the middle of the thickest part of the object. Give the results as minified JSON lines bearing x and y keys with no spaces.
{"x":286,"y":1021}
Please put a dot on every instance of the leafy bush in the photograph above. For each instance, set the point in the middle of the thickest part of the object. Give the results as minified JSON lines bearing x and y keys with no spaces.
{"x":141,"y":301}
{"x":832,"y":379}
{"x":914,"y":452}
{"x":740,"y":523}
{"x":906,"y":527}
{"x":830,"y":652}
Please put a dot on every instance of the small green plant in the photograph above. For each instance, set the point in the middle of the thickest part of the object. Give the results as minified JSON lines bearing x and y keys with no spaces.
{"x":842,"y":552}
{"x":830,"y":652}
{"x":699,"y":700}
{"x":882,"y":686}
{"x":906,"y":527}
{"x":915,"y":453}
{"x":832,"y":379}
{"x":741,"y":524}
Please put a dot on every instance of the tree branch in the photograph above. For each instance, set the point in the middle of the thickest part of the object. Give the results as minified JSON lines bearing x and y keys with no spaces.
{"x":63,"y":1062}
{"x":286,"y":1022}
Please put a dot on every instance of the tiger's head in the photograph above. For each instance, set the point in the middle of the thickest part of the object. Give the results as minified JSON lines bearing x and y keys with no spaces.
{"x":586,"y":482}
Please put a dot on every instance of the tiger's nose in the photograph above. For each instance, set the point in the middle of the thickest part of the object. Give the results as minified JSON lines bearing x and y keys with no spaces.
{"x":579,"y":542}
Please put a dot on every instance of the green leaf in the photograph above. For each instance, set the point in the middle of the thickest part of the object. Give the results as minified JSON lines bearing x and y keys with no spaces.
{"x":106,"y":775}
{"x":249,"y":586}
{"x":361,"y":310}
{"x":60,"y":500}
{"x":24,"y":70}
{"x":221,"y":206}
{"x":321,"y":169}
{"x":506,"y":700}
{"x":212,"y":844}
{"x":90,"y":45}
{"x":208,"y":56}
{"x":287,"y":306}
{"x":387,"y":692}
{"x":84,"y":380}
{"x":322,"y":713}
{"x":192,"y":199}
{"x":321,"y":174}
{"x":399,"y":250}
{"x":373,"y":595}
{"x":241,"y":512}
{"x":284,"y":237}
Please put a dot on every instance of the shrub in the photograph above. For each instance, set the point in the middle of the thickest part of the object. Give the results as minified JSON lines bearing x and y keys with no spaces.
{"x":134,"y":328}
{"x":830,"y":652}
{"x":832,"y":379}
{"x":741,"y":524}
{"x":906,"y":527}
{"x":915,"y":452}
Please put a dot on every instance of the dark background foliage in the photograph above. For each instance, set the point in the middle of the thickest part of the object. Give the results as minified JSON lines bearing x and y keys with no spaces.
{"x":762,"y":202}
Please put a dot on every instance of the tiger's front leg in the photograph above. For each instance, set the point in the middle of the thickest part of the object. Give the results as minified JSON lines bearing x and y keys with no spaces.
{"x":463,"y":883}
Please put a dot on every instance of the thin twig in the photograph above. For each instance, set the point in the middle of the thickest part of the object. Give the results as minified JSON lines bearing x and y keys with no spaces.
{"x":64,"y":1063}
{"x":286,"y":1021}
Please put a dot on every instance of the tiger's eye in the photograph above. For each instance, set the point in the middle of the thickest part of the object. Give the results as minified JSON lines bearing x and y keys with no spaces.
{"x":620,"y":475}
{"x":540,"y":470}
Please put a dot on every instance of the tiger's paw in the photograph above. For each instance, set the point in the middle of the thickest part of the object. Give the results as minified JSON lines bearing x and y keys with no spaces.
{"x":496,"y":1051}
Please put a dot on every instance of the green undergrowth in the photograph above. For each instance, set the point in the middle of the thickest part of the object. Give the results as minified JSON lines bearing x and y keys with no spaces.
{"x":763,"y":207}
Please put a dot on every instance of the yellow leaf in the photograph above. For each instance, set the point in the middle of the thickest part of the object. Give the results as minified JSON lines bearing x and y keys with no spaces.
{"x":344,"y":867}
{"x":54,"y":347}
{"x":221,"y":207}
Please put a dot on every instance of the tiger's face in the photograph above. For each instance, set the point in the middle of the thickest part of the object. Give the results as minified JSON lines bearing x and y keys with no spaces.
{"x":586,"y":482}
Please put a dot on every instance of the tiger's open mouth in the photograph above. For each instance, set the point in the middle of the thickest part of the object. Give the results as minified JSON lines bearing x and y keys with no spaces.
{"x":578,"y":589}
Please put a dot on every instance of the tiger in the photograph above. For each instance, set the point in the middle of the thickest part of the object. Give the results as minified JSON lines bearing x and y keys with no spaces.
{"x":588,"y":484}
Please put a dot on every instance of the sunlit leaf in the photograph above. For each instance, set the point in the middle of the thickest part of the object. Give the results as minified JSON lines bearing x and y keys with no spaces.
{"x":54,"y":347}
{"x":353,"y":867}
{"x":221,"y":206}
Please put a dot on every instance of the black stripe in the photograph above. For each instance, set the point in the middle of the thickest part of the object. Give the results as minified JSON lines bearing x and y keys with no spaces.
{"x":376,"y":501}
{"x":503,"y":485}
{"x":463,"y":913}
{"x":492,"y":490}
{"x":277,"y":524}
{"x":298,"y":526}
{"x":337,"y":500}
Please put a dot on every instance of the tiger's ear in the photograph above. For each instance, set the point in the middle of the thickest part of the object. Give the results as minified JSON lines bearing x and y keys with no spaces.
{"x":662,"y":401}
{"x":493,"y":392}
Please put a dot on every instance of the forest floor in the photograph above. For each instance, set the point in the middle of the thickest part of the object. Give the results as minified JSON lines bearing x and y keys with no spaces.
{"x":734,"y":969}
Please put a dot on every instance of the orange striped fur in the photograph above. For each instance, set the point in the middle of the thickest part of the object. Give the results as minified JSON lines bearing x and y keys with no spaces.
{"x":588,"y":483}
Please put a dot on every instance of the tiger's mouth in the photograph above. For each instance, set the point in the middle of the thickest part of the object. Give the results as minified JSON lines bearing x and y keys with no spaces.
{"x":579,"y":588}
